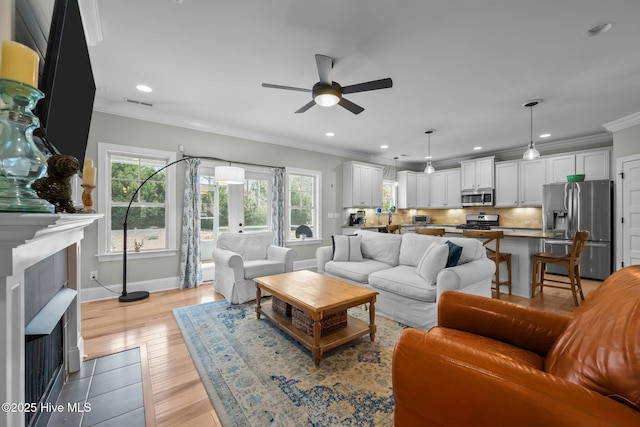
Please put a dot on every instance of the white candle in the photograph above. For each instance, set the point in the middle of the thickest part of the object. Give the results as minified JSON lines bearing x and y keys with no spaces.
{"x":88,"y":163}
{"x":19,"y":63}
{"x":89,"y":176}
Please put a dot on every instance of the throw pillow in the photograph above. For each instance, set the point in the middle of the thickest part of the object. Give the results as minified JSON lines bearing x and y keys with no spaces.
{"x":347,"y":248}
{"x":433,"y":260}
{"x":455,"y":252}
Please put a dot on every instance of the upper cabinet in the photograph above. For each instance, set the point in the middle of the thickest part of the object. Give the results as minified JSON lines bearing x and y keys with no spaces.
{"x":361,"y":185}
{"x":595,"y":164}
{"x":407,"y":190}
{"x":477,"y":174}
{"x":519,"y":183}
{"x":445,"y":189}
{"x":423,"y":190}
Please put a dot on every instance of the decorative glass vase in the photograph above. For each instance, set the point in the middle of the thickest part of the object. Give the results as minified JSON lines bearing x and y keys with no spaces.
{"x":21,"y":162}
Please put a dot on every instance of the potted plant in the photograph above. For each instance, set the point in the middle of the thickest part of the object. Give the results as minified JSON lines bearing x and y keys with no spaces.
{"x":137,"y":245}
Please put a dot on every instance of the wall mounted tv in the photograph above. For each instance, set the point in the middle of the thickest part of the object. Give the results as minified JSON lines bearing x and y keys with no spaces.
{"x":66,"y":77}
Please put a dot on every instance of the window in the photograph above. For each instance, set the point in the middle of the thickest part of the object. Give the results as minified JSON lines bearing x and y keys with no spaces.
{"x":303,"y":207}
{"x":388,"y":195}
{"x":151,"y":223}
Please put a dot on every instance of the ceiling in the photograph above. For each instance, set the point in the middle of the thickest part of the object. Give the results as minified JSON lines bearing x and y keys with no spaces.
{"x":462,"y":67}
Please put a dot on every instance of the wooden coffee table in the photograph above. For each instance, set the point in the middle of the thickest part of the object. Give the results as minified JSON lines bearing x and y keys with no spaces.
{"x":317,"y":296}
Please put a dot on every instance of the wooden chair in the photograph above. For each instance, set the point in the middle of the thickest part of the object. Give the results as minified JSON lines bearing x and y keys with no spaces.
{"x":571,"y":261}
{"x":394,"y":229}
{"x":494,"y":254}
{"x":431,"y":231}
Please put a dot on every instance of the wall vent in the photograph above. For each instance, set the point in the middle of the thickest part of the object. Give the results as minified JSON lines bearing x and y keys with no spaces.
{"x":134,"y":101}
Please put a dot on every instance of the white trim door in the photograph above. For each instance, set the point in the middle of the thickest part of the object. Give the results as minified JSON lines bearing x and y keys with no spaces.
{"x":627,"y":211}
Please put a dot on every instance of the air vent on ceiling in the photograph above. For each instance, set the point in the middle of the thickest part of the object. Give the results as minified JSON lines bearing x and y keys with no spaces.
{"x":133,"y":101}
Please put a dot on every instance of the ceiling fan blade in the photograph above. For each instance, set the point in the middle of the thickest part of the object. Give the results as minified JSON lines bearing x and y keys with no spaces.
{"x":306,"y":106}
{"x":299,"y":89}
{"x":325,"y":64}
{"x":372,"y":85}
{"x":354,"y":108}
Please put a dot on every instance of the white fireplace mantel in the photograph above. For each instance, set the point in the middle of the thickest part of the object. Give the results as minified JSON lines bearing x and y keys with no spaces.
{"x":26,"y":239}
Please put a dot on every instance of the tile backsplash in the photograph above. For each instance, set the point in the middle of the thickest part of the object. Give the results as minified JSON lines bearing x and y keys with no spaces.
{"x":509,"y":217}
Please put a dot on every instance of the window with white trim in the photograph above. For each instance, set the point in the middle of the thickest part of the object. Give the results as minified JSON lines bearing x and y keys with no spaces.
{"x":303,"y":203}
{"x":151,"y":221}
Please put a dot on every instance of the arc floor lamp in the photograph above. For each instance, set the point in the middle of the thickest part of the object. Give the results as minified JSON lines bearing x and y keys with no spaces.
{"x":224,"y":175}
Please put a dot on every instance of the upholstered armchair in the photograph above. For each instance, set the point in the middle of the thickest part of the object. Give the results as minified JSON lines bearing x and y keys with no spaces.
{"x":240,"y":257}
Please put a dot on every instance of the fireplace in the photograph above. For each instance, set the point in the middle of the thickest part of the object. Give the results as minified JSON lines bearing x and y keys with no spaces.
{"x":39,"y":307}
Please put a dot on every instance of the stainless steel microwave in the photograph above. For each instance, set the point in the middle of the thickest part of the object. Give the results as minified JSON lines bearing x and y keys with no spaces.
{"x":477,"y":198}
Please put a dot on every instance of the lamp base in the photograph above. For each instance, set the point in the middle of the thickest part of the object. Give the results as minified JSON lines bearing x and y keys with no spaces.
{"x":134,"y":296}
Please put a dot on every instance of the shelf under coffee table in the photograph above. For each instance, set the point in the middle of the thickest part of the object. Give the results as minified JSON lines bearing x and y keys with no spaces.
{"x":317,"y":296}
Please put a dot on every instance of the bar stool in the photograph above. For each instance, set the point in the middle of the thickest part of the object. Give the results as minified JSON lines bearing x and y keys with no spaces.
{"x":494,"y":254}
{"x":394,"y":229}
{"x":571,"y":261}
{"x":431,"y":231}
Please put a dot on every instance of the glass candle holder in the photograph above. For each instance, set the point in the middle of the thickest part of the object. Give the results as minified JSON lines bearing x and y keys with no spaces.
{"x":21,"y":162}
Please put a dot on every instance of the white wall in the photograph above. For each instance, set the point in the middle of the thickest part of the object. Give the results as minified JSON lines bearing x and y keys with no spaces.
{"x":626,"y":142}
{"x":120,"y":130}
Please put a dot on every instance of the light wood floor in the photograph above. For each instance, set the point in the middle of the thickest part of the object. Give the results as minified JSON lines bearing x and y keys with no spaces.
{"x":176,"y":392}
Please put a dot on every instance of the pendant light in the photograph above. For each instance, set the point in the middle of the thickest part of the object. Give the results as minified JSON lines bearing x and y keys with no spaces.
{"x":396,"y":183}
{"x":226,"y":175}
{"x":429,"y":169}
{"x":531,"y":152}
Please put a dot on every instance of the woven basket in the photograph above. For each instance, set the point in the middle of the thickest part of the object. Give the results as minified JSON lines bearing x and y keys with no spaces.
{"x":327,"y":325}
{"x":280,"y":306}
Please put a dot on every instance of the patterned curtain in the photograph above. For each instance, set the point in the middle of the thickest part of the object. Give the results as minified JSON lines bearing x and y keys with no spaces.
{"x":279,"y":235}
{"x":190,"y":267}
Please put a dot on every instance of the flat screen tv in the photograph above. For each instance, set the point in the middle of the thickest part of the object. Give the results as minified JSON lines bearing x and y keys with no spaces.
{"x":66,"y":78}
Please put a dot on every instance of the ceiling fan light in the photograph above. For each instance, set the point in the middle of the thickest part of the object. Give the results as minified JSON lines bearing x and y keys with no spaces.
{"x":326,"y":99}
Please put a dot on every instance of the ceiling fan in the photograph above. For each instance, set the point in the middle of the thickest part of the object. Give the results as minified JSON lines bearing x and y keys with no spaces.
{"x":328,"y":93}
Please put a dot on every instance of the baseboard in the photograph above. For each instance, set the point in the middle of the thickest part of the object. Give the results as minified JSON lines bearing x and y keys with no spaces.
{"x":305,"y":264}
{"x":99,"y":293}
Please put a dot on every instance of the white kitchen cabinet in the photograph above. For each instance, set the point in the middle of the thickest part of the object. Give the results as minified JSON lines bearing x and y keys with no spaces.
{"x":558,"y":167}
{"x":423,"y":190}
{"x":477,"y":174}
{"x":445,"y":189}
{"x":407,"y":190}
{"x":519,"y":183}
{"x":594,"y":164}
{"x":361,"y":185}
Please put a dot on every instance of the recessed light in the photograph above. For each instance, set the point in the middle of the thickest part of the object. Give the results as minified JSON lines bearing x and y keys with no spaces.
{"x":477,"y":148}
{"x":545,"y":135}
{"x":599,"y":29}
{"x":384,"y":146}
{"x":144,"y":88}
{"x":330,"y":134}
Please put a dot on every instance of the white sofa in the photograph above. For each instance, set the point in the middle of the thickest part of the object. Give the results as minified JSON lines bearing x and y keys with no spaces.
{"x":241,"y":257}
{"x":390,"y":266}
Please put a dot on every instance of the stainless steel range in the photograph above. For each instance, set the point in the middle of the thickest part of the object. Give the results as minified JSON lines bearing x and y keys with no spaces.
{"x":481,"y":222}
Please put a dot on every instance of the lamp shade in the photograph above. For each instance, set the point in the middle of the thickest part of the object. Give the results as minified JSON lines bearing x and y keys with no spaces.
{"x":229,"y":175}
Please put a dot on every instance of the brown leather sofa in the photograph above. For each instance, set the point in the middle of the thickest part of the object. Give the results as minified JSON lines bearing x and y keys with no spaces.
{"x":494,"y":363}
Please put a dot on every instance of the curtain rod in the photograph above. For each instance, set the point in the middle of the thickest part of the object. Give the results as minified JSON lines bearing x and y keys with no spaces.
{"x":229,"y":161}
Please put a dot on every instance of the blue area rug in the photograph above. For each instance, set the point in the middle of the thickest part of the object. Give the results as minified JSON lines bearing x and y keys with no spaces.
{"x":257,"y":376}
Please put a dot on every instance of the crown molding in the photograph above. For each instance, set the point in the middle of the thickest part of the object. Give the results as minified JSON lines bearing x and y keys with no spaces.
{"x":623,"y":123}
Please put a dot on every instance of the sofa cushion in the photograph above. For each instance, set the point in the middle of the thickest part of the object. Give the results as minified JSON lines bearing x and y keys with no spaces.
{"x":472,"y":249}
{"x":414,"y":246}
{"x":403,"y":280}
{"x":455,"y":252}
{"x":433,"y":260}
{"x":347,"y":248}
{"x":381,"y":247}
{"x":600,"y":348}
{"x":355,"y":271}
{"x":257,"y":268}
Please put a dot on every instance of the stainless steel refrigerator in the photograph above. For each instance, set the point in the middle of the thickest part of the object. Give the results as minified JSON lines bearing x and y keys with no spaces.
{"x":567,"y":207}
